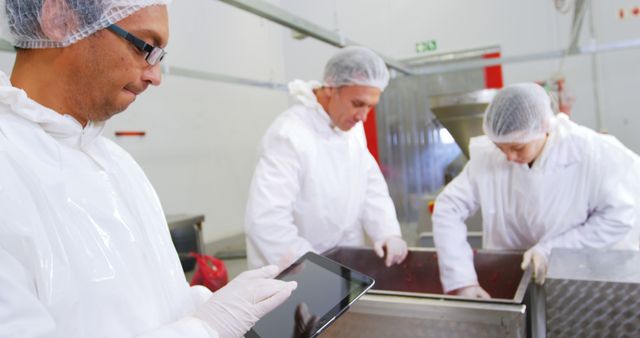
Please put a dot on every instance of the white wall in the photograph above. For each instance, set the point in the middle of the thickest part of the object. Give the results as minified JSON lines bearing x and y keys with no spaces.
{"x":202,"y":136}
{"x":518,"y":27}
{"x":199,"y":151}
{"x":393,"y":27}
{"x":619,"y":72}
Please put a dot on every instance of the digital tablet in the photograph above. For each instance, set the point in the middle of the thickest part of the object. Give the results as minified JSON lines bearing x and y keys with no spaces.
{"x":326,"y":287}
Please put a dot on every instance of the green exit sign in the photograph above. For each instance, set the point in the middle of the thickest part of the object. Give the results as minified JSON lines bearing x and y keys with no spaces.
{"x":426,"y":46}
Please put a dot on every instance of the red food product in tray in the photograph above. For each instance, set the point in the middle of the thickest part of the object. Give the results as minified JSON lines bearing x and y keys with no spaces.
{"x":499,"y":274}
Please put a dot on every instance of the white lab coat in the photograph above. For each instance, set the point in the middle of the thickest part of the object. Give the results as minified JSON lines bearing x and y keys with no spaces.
{"x":315,"y":187}
{"x":581,"y":192}
{"x":85,"y":250}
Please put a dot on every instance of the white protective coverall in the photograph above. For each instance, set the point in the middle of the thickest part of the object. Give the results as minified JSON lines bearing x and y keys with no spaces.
{"x":315,"y":187}
{"x":85,"y":250}
{"x":582,"y":191}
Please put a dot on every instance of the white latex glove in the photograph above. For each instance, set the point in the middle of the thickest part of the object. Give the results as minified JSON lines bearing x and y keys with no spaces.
{"x":539,"y":264}
{"x":236,"y":307}
{"x":473,"y":291}
{"x":396,"y":249}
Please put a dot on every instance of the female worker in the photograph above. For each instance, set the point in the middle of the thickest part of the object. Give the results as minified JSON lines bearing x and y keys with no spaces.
{"x":541,"y":182}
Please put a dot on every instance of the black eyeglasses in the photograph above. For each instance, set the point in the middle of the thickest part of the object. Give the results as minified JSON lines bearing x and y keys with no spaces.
{"x":154,"y":55}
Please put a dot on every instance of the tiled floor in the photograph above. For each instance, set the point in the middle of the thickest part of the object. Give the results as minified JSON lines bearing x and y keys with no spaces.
{"x":235,"y":266}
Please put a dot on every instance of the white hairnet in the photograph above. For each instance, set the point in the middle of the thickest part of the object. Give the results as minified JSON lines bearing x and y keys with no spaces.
{"x":73,"y":20}
{"x":356,"y":66}
{"x":519,"y":113}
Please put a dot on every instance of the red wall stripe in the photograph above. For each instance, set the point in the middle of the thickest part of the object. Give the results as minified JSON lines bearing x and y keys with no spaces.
{"x":371,"y":132}
{"x":493,"y":74}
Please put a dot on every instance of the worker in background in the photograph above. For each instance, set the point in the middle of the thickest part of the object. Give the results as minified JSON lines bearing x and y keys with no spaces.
{"x":85,"y":250}
{"x":541,"y":182}
{"x":316,"y":185}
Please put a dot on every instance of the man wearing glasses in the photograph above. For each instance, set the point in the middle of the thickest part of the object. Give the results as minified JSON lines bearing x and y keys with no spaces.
{"x":84,"y":247}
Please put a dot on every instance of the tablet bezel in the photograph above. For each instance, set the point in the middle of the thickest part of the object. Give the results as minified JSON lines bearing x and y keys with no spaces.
{"x":338,"y":269}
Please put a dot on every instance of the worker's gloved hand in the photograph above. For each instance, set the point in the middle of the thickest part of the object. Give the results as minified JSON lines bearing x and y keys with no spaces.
{"x":235,"y":308}
{"x":473,"y":291}
{"x":305,"y":322}
{"x":395,"y":247}
{"x":539,"y":264}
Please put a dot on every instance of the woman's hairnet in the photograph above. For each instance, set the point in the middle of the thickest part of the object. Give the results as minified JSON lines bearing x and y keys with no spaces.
{"x":72,"y":20}
{"x":519,"y":113}
{"x":356,"y":66}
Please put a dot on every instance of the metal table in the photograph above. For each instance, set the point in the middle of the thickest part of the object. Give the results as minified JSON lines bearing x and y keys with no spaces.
{"x":186,"y":234}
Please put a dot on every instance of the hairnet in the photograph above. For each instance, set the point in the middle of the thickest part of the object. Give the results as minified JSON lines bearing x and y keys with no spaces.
{"x":20,"y":20}
{"x":356,"y":66}
{"x":518,"y":114}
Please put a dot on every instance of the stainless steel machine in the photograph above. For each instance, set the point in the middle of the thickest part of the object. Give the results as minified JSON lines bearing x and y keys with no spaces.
{"x":588,"y":293}
{"x":591,"y":293}
{"x":413,"y":152}
{"x":407,"y":300}
{"x":424,"y":124}
{"x":461,"y":114}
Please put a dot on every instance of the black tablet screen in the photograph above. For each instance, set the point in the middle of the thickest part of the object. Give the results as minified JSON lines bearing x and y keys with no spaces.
{"x":324,"y":286}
